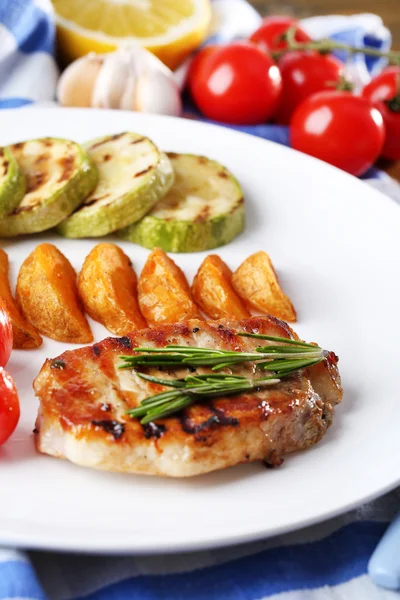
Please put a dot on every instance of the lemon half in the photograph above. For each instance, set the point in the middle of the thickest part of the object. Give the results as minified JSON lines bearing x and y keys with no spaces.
{"x":171,"y":29}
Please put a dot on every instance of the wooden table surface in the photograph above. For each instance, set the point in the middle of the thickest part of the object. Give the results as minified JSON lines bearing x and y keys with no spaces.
{"x":389,"y":10}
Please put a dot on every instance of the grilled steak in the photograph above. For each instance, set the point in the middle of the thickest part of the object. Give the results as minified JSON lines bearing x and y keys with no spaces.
{"x":84,"y":398}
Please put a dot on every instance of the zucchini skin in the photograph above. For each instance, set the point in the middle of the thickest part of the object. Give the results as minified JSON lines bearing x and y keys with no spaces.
{"x":96,"y":224}
{"x":191,"y":235}
{"x":130,"y":207}
{"x":186,"y":236}
{"x":13,"y":188}
{"x":55,"y":207}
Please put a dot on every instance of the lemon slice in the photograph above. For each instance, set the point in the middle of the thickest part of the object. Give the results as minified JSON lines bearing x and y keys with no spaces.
{"x":171,"y":29}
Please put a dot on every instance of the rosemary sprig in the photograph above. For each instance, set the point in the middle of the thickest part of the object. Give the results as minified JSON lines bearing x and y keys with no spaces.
{"x":188,"y":356}
{"x":281,"y":358}
{"x":190,"y":390}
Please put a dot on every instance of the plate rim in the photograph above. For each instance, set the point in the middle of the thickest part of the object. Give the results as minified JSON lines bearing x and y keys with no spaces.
{"x":50,"y":543}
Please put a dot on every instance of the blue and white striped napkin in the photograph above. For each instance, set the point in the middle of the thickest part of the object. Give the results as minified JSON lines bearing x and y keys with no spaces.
{"x":323,"y":562}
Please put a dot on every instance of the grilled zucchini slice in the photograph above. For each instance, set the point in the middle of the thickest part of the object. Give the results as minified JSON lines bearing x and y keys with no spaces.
{"x":204,"y":209}
{"x":59,"y":176}
{"x":133,"y":176}
{"x":12,"y":182}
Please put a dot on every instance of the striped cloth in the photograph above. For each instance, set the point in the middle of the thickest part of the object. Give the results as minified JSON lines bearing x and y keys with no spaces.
{"x":324,"y":562}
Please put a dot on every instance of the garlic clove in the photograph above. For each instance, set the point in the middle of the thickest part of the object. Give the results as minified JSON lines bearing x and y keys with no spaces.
{"x":76,"y":83}
{"x":157,"y":93}
{"x":112,"y":81}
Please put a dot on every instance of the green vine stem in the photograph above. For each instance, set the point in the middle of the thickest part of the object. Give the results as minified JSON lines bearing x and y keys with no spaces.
{"x":327,"y":45}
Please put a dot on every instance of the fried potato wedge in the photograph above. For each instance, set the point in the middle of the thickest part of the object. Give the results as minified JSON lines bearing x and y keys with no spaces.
{"x":48,"y":296}
{"x":107,"y":286}
{"x":213,"y":291}
{"x":25,"y":336}
{"x":163,"y":291}
{"x":257,"y":283}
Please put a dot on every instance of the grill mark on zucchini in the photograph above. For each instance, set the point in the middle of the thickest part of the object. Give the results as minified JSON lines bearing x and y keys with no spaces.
{"x":67,"y":164}
{"x":138,"y":141}
{"x":204,"y":209}
{"x":12,"y":182}
{"x":42,"y":157}
{"x":5,"y":164}
{"x":34,"y":182}
{"x":58,"y":177}
{"x":133,"y":176}
{"x":89,"y":202}
{"x":111,"y":138}
{"x":143,"y":172}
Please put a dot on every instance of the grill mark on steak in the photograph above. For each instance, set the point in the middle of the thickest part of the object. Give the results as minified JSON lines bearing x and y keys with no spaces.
{"x":57,"y":364}
{"x":125,"y":342}
{"x":223,"y":419}
{"x":114,"y":427}
{"x":153,"y":430}
{"x":218,"y":418}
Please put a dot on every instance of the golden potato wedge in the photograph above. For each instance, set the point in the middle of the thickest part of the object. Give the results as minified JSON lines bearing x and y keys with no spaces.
{"x":213,"y":291}
{"x":48,"y":296}
{"x":25,"y":336}
{"x":107,"y":286}
{"x":163,"y":291}
{"x":257,"y":283}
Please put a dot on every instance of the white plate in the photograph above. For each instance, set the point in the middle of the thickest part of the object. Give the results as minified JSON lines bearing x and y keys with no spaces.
{"x":335,"y":243}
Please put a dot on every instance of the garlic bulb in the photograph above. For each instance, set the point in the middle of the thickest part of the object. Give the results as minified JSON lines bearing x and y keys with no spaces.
{"x":130,"y":78}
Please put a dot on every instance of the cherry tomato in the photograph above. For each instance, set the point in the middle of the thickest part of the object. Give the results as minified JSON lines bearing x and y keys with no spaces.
{"x":304,"y":74}
{"x":9,"y":406}
{"x":270,"y":34}
{"x":342,"y":129}
{"x":238,"y":83}
{"x":384,"y":93}
{"x":6,"y":336}
{"x":197,"y":62}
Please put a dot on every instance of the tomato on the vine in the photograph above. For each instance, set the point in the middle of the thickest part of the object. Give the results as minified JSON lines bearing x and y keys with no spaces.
{"x":6,"y":336}
{"x":384,"y":93}
{"x":9,"y":406}
{"x":304,"y":74}
{"x":238,"y":83}
{"x":270,"y":34}
{"x":339,"y":128}
{"x":197,"y":62}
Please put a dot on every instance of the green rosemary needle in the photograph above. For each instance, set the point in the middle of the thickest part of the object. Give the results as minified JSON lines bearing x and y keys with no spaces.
{"x":281,"y":358}
{"x":192,"y":389}
{"x":189,"y":356}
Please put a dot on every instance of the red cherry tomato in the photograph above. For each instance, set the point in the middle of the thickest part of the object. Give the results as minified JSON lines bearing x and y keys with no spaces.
{"x":304,"y":74}
{"x":197,"y":62}
{"x":6,"y":336}
{"x":384,"y":93}
{"x":342,"y":129}
{"x":9,"y":406}
{"x":270,"y":34}
{"x":238,"y":83}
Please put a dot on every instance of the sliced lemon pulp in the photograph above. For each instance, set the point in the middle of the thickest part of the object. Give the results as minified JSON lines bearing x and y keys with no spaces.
{"x":169,"y":28}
